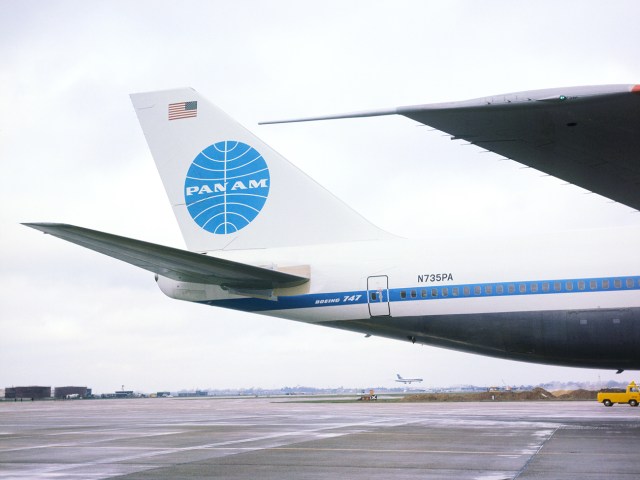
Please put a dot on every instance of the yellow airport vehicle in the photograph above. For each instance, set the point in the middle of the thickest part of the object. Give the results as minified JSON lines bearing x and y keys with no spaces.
{"x":610,"y":396}
{"x":370,"y":397}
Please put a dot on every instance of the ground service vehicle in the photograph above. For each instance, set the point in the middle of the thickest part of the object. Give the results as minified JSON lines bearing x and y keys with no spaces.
{"x":612,"y":395}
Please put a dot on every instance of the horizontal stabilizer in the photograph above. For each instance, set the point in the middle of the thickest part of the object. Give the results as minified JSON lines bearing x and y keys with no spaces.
{"x":171,"y":262}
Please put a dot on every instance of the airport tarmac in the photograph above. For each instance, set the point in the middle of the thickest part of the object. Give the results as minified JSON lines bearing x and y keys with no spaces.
{"x":269,"y":438}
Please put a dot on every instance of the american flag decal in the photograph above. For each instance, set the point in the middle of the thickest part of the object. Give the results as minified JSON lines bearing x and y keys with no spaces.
{"x":183,"y":110}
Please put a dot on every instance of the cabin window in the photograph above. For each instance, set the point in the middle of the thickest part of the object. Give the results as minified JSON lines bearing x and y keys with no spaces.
{"x":605,"y":284}
{"x":488,"y":289}
{"x":445,"y":292}
{"x":522,"y":287}
{"x":374,"y":296}
{"x":423,"y":293}
{"x":477,"y":290}
{"x":466,"y":291}
{"x":581,"y":285}
{"x":569,"y":286}
{"x":545,"y":286}
{"x":534,"y":287}
{"x":414,"y":294}
{"x":403,"y":294}
{"x":434,"y":292}
{"x":557,"y":286}
{"x":511,"y":288}
{"x":454,"y":291}
{"x":617,"y":283}
{"x":629,"y":282}
{"x":593,"y":285}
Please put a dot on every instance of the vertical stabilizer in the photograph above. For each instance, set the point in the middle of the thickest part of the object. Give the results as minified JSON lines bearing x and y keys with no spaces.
{"x":228,"y":189}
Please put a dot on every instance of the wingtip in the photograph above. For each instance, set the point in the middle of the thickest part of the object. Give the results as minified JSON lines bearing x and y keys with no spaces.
{"x":361,"y":114}
{"x":40,"y":224}
{"x":36,"y":226}
{"x":43,"y":226}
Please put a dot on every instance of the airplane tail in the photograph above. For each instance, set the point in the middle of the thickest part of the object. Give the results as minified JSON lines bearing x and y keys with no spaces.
{"x":399,"y":377}
{"x":228,"y":189}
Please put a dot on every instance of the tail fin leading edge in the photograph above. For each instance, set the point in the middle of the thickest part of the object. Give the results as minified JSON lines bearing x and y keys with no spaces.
{"x":228,"y":189}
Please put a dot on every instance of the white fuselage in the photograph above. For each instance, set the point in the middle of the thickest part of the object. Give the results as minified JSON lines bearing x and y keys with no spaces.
{"x":338,"y":272}
{"x":565,"y":299}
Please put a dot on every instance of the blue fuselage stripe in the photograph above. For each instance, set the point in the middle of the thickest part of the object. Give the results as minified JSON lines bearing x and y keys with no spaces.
{"x":433,"y":292}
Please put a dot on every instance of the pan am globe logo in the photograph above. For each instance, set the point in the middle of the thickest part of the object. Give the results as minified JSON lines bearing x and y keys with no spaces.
{"x":226,"y":187}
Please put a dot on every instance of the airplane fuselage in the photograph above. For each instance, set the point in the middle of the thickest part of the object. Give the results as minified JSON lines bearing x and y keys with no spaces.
{"x":575,"y":301}
{"x":407,"y":380}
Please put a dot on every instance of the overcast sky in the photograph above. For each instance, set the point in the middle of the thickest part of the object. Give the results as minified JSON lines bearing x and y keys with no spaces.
{"x":72,"y":151}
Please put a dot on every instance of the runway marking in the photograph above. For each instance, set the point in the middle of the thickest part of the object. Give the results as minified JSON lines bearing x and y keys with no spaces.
{"x":524,"y":467}
{"x":162,"y":451}
{"x":386,"y":450}
{"x":86,"y":443}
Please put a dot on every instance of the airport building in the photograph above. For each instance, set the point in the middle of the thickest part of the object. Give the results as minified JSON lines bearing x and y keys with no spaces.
{"x":33,"y":392}
{"x":71,"y":392}
{"x":197,"y":393}
{"x":124,"y":394}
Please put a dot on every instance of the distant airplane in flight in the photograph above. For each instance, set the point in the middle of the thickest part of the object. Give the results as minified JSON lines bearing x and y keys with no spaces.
{"x":264,"y":237}
{"x":407,"y":380}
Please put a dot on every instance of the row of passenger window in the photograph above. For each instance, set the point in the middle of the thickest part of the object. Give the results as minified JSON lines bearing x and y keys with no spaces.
{"x":511,"y":288}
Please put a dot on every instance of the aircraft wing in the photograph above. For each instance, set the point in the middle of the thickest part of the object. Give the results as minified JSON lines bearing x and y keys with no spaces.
{"x":171,"y":262}
{"x":588,"y":136}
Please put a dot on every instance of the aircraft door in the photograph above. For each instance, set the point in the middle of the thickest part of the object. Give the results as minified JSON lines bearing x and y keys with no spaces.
{"x":378,"y":295}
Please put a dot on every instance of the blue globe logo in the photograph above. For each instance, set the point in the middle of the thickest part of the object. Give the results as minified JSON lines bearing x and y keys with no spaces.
{"x":226,"y":187}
